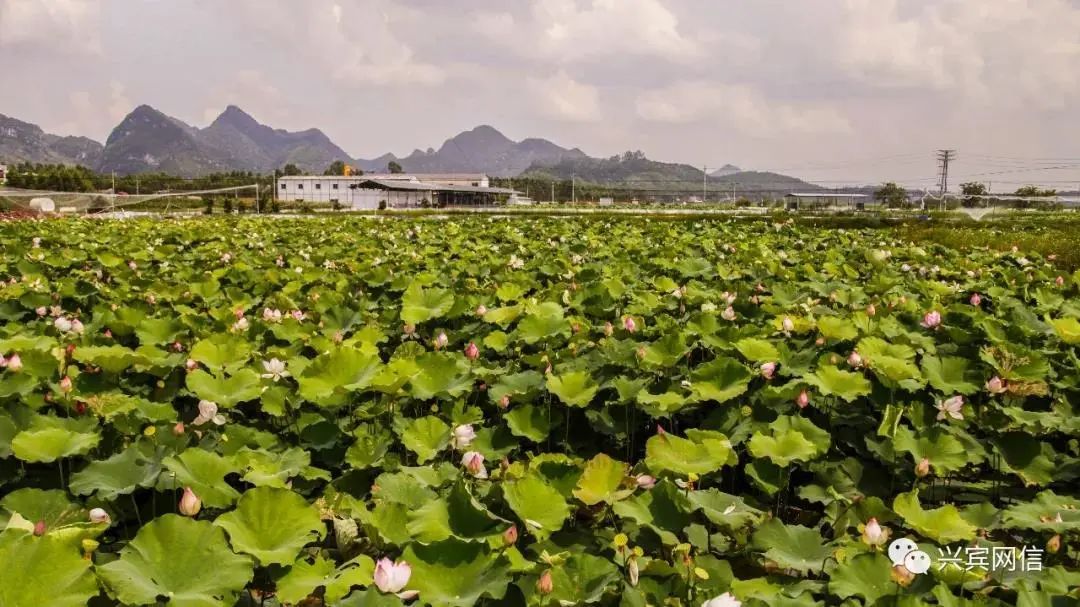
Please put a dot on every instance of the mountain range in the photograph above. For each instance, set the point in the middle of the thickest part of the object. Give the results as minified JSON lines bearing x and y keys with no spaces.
{"x":147,"y":140}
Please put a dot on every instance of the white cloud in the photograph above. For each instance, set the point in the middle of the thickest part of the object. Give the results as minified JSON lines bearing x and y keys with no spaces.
{"x":51,"y":26}
{"x":740,"y":107}
{"x":252,"y":91}
{"x":562,"y":98}
{"x":84,"y":115}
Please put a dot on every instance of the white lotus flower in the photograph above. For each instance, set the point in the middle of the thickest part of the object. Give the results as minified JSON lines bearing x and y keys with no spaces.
{"x":392,"y":577}
{"x":208,"y":412}
{"x":62,"y":324}
{"x":724,"y":600}
{"x":474,"y":463}
{"x":275,"y":369}
{"x":950,"y":408}
{"x":463,"y":436}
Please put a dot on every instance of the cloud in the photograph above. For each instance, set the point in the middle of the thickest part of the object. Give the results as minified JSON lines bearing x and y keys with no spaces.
{"x":51,"y":26}
{"x":738,"y":106}
{"x":84,"y":115}
{"x":251,"y":90}
{"x":560,"y":97}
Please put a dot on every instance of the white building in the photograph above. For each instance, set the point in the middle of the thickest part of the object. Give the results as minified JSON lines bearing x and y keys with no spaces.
{"x":390,"y":190}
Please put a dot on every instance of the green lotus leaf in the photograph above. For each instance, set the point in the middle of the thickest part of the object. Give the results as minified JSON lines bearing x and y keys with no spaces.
{"x":894,"y":364}
{"x":158,"y":330}
{"x":532,"y":422}
{"x":837,"y":329}
{"x":43,"y":570}
{"x":111,"y":359}
{"x":121,"y":474}
{"x":719,"y":381}
{"x":1026,"y":456}
{"x":370,"y":447}
{"x":543,"y":322}
{"x":272,"y":525}
{"x":791,"y":546}
{"x":420,"y":305}
{"x":186,"y":560}
{"x":665,"y":509}
{"x":204,"y":472}
{"x":263,"y":468}
{"x":948,"y":375}
{"x":792,"y":439}
{"x":48,"y":444}
{"x":403,"y":488}
{"x":329,"y":379}
{"x":354,"y":573}
{"x":583,"y":579}
{"x":848,"y":385}
{"x":222,"y":352}
{"x":701,"y":452}
{"x":455,"y":574}
{"x":601,"y":481}
{"x":458,"y":515}
{"x":575,"y":388}
{"x":1068,"y":329}
{"x":728,"y":511}
{"x":945,"y":452}
{"x":243,"y":385}
{"x":440,"y":375}
{"x":303,"y":578}
{"x":503,"y":316}
{"x":868,"y":576}
{"x":1048,"y":512}
{"x":369,"y":597}
{"x":941,"y":525}
{"x":662,"y":405}
{"x":33,"y":505}
{"x":757,"y":350}
{"x":424,"y":436}
{"x":540,"y":507}
{"x":110,"y":405}
{"x":516,"y":384}
{"x":665,"y":352}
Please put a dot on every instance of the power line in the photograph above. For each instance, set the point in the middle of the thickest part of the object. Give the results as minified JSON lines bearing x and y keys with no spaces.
{"x":944,"y":156}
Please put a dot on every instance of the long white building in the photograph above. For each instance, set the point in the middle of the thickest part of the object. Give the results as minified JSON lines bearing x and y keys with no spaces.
{"x":390,"y":190}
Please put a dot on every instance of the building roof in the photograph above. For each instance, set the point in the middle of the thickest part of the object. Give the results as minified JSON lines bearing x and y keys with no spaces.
{"x":401,"y":185}
{"x":824,"y":195}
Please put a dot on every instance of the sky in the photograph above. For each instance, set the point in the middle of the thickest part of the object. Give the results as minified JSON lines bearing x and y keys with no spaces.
{"x":835,"y":91}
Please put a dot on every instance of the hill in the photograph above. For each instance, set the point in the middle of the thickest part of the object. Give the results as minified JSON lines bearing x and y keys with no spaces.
{"x":24,"y":142}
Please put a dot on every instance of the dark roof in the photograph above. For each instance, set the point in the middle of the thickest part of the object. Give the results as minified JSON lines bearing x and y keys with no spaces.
{"x":402,"y":185}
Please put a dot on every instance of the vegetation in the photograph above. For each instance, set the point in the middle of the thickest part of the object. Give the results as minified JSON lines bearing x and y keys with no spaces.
{"x":891,"y":195}
{"x":530,"y":412}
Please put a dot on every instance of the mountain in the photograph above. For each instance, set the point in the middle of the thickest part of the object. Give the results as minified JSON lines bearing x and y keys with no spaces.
{"x":481,"y":150}
{"x":724,"y":171}
{"x":633,"y":170}
{"x":257,"y":147}
{"x":24,"y":142}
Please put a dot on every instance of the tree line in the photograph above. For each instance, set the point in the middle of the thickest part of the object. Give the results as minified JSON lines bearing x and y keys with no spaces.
{"x":972,"y":194}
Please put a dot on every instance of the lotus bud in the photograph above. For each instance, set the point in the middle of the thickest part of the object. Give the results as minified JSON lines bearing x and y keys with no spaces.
{"x":854,"y":359}
{"x":441,"y":340}
{"x":338,"y":337}
{"x":724,"y":600}
{"x":471,"y":351}
{"x":645,"y":481}
{"x":931,"y":320}
{"x":39,"y":528}
{"x":504,"y":402}
{"x":802,"y":400}
{"x":1059,"y":281}
{"x":632,"y":571}
{"x":77,"y":327}
{"x":391,"y":577}
{"x":641,"y":352}
{"x":462,"y":436}
{"x":178,"y":429}
{"x":1054,"y":544}
{"x":871,"y":310}
{"x":41,"y":311}
{"x":99,"y":516}
{"x":996,"y":385}
{"x":15,"y":363}
{"x":510,"y":536}
{"x":660,"y":430}
{"x":545,"y":585}
{"x":768,"y":370}
{"x":976,"y":299}
{"x":922,"y":468}
{"x":473,"y":461}
{"x":177,"y":346}
{"x":874,"y":534}
{"x":629,"y":324}
{"x":408,"y":329}
{"x":788,"y":324}
{"x":819,"y":341}
{"x":481,"y":310}
{"x":190,"y":504}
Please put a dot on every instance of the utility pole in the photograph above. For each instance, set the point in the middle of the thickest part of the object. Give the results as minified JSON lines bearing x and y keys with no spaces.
{"x":552,"y":192}
{"x":733,"y":184}
{"x":114,"y":183}
{"x":573,"y":188}
{"x":944,"y":157}
{"x":704,"y":183}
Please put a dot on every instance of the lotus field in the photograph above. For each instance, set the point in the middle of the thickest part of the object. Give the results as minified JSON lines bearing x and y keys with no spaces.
{"x":532,"y":412}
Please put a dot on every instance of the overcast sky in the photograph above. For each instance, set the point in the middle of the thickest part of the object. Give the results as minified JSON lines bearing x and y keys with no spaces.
{"x":831,"y":90}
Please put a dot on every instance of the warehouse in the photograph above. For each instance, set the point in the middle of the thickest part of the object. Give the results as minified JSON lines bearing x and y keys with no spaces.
{"x":394,"y":191}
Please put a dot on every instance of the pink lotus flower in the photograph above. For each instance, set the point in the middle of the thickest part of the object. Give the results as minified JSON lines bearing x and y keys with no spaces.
{"x":134,"y":266}
{"x":298,"y":315}
{"x":274,"y":369}
{"x":728,"y":313}
{"x":874,"y":534}
{"x":190,"y":504}
{"x":178,"y":429}
{"x":724,"y":600}
{"x":98,"y":516}
{"x":504,"y":402}
{"x":208,"y":412}
{"x":768,"y":370}
{"x":931,"y":320}
{"x":471,"y":351}
{"x":391,"y":577}
{"x":441,"y":340}
{"x":481,"y":310}
{"x":608,"y":329}
{"x":802,"y":400}
{"x":510,"y":536}
{"x":854,"y":359}
{"x":77,"y":327}
{"x":269,"y":315}
{"x":62,"y":324}
{"x":40,"y":528}
{"x":41,"y":311}
{"x":922,"y":468}
{"x":788,"y":324}
{"x":645,"y":481}
{"x":463,"y":436}
{"x":408,"y":329}
{"x":629,"y":324}
{"x":976,"y":299}
{"x":191,"y":364}
{"x":871,"y":310}
{"x":950,"y":408}
{"x":545,"y":585}
{"x":65,"y":384}
{"x":474,"y":464}
{"x":1059,"y":281}
{"x":996,"y":385}
{"x":15,"y":363}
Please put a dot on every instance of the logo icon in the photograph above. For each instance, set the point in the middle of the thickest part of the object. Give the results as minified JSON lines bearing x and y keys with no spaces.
{"x":906,"y":552}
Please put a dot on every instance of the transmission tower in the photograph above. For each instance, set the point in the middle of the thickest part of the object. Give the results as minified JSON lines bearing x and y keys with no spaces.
{"x":944,"y":156}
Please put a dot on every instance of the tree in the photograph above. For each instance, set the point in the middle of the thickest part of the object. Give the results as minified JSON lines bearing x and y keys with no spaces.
{"x":973,"y":188}
{"x":394,"y":168}
{"x":336,"y":168}
{"x":290,"y":169}
{"x":1032,"y":191}
{"x":891,"y":195}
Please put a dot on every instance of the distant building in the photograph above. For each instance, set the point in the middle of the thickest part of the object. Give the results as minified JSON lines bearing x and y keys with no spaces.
{"x":393,"y":191}
{"x":3,"y":174}
{"x":826,"y":199}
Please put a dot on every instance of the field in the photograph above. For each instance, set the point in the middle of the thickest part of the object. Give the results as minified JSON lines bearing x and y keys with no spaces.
{"x":537,"y":411}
